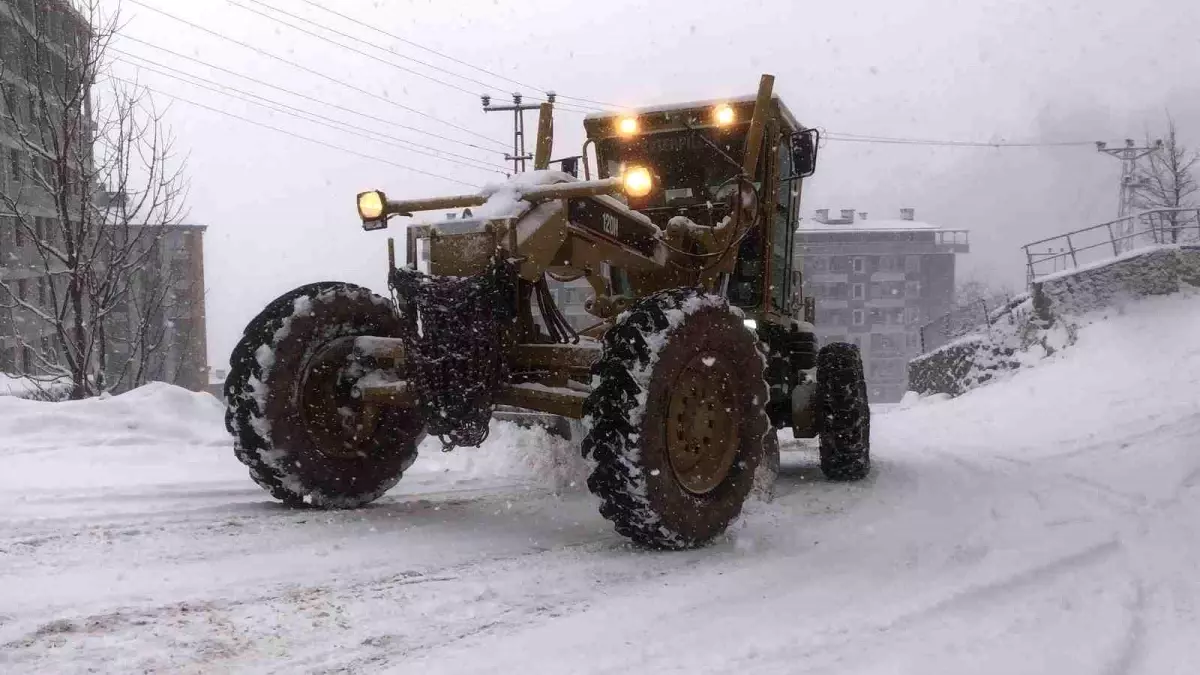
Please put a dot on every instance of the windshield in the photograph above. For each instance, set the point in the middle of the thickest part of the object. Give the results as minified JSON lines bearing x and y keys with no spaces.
{"x":690,"y":167}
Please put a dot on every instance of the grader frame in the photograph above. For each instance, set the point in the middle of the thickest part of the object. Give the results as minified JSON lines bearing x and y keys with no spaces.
{"x":578,"y":228}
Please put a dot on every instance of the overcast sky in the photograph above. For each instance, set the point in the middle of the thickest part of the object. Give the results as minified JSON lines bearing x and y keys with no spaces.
{"x":280,"y":210}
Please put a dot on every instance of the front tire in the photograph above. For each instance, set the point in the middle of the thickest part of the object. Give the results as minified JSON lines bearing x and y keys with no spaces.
{"x":290,"y":406}
{"x":845,"y":415}
{"x":677,"y":419}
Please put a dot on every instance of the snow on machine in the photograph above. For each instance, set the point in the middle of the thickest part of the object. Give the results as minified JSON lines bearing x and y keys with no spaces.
{"x":702,"y":347}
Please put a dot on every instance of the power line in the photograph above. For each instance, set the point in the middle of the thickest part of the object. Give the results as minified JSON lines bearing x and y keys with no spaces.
{"x":291,"y":133}
{"x":311,"y":71}
{"x":367,"y":24}
{"x":307,"y":116}
{"x":304,"y":96}
{"x":860,"y":138}
{"x":386,"y":62}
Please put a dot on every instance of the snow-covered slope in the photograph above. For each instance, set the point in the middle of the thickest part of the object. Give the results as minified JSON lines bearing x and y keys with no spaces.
{"x":1044,"y":524}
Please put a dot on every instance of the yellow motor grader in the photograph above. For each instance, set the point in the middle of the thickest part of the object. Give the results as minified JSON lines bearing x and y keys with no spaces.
{"x":702,"y":346}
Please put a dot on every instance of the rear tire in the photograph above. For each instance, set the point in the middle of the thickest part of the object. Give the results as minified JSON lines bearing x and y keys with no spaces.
{"x":845,"y":415}
{"x":676,"y":420}
{"x":289,"y":405}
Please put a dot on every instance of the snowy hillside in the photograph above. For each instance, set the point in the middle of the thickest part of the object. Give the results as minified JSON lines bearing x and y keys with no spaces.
{"x":1042,"y":524}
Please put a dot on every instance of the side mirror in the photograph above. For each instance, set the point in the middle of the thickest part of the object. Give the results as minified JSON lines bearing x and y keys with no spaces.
{"x":804,"y":152}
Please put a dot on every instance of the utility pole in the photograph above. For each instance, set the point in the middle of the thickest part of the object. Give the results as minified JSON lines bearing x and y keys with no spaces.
{"x":1129,"y":156}
{"x":518,"y":156}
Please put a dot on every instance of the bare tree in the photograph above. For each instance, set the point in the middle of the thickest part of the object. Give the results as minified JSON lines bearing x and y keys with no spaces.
{"x":1166,"y":180}
{"x":96,"y":186}
{"x":976,"y":293}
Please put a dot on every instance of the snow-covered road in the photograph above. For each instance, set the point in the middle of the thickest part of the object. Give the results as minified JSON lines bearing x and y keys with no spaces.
{"x":1044,"y":524}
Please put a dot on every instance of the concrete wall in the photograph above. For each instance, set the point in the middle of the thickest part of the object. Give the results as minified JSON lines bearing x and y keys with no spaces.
{"x":1156,"y":271}
{"x":963,"y":364}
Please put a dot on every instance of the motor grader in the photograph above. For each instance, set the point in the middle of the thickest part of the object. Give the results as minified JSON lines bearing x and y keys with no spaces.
{"x":702,"y":347}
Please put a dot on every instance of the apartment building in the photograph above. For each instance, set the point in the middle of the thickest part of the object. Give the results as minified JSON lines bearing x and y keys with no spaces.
{"x":40,"y":41}
{"x":876,"y":281}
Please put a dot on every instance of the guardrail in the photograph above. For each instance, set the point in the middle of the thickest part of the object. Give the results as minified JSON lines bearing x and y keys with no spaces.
{"x":1098,"y":242}
{"x":972,"y":317}
{"x":953,"y":324}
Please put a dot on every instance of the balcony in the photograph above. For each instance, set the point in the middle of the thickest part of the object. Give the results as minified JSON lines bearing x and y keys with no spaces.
{"x":883,"y":242}
{"x":827,"y":278}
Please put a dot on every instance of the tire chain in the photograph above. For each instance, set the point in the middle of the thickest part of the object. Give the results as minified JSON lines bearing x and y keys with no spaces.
{"x":456,"y":363}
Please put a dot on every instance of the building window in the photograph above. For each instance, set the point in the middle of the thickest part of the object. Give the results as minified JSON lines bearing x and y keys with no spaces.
{"x":856,"y":292}
{"x":914,"y":343}
{"x":7,"y":224}
{"x":889,"y":263}
{"x":858,"y":265}
{"x":886,"y":344}
{"x":912,"y":289}
{"x":912,"y":264}
{"x":22,"y":288}
{"x":858,"y":317}
{"x":912,"y":315}
{"x":817,"y":264}
{"x":14,"y":166}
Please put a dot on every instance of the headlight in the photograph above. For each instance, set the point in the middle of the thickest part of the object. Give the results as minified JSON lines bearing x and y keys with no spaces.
{"x":637,"y":181}
{"x":751,"y":324}
{"x":371,"y":205}
{"x":723,"y":115}
{"x":627,"y":126}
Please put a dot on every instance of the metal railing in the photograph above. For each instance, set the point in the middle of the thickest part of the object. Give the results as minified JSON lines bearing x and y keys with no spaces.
{"x":973,"y":317}
{"x":1153,"y":227}
{"x":952,"y":325}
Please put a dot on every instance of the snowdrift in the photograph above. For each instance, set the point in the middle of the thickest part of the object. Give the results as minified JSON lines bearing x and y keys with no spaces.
{"x":161,"y":433}
{"x":154,"y":414}
{"x":1135,"y":363}
{"x":1049,"y":318}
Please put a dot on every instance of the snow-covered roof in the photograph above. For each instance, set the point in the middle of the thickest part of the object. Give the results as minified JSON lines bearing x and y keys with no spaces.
{"x":882,"y":225}
{"x":688,"y":105}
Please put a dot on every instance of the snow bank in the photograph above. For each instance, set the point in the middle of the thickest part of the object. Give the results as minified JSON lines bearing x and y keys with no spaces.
{"x":1135,"y":367}
{"x":24,"y":387}
{"x":160,"y":433}
{"x":156,"y":434}
{"x":1048,"y":319}
{"x":510,"y":451}
{"x":154,"y":414}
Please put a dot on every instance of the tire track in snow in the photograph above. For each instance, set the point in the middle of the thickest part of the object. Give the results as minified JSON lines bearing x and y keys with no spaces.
{"x":973,"y":597}
{"x":1132,"y":649}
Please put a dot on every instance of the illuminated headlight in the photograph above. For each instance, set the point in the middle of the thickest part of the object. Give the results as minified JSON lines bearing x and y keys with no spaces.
{"x":627,"y":126}
{"x":637,"y":181}
{"x":751,"y":324}
{"x":723,"y":115}
{"x":371,"y":205}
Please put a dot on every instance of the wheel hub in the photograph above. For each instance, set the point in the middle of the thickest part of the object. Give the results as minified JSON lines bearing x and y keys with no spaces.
{"x":703,"y":423}
{"x":340,"y":424}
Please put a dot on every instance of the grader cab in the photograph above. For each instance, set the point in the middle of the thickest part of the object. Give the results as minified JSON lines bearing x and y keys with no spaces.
{"x":701,"y":350}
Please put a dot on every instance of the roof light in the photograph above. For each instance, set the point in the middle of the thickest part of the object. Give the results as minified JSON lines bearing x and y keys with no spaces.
{"x":627,"y":126}
{"x":723,"y":115}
